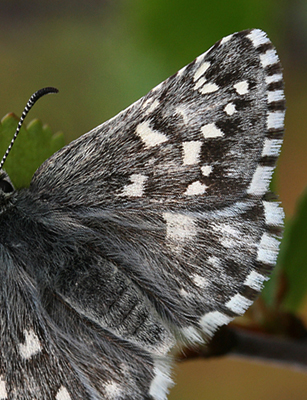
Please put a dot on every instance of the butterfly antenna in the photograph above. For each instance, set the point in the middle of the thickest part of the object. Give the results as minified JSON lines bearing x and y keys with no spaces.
{"x":32,"y":100}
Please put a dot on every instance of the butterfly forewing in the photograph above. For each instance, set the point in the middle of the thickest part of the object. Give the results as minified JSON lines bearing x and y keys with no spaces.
{"x":179,"y":179}
{"x":194,"y":141}
{"x":153,"y":227}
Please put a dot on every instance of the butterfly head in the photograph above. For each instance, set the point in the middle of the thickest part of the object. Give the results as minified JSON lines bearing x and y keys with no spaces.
{"x":6,"y":188}
{"x":6,"y":185}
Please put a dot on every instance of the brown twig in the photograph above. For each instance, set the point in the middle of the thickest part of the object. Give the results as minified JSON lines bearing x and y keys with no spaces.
{"x":235,"y":341}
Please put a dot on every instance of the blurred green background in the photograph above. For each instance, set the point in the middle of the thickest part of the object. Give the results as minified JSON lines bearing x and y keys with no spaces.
{"x":103,"y":55}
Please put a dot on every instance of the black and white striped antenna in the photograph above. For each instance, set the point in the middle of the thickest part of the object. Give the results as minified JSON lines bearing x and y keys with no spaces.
{"x":32,"y":100}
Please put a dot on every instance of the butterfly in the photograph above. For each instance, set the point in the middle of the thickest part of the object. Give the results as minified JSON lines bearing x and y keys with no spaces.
{"x":155,"y":228}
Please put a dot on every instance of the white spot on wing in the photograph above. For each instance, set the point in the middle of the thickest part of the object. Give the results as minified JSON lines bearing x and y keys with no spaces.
{"x":226,"y":39}
{"x":209,"y":88}
{"x":238,"y":304}
{"x":260,"y":181}
{"x":271,"y":147}
{"x":152,"y":107}
{"x":63,"y":394}
{"x":3,"y":392}
{"x":191,"y":334}
{"x":184,"y":293}
{"x":274,"y":214}
{"x":199,"y":83}
{"x":230,"y":236}
{"x":113,"y":390}
{"x":149,"y":136}
{"x":31,"y":346}
{"x":230,"y":109}
{"x":191,"y":152}
{"x":200,"y":58}
{"x":211,"y":131}
{"x":195,"y":188}
{"x":255,"y":280}
{"x":161,"y":382}
{"x":179,"y":226}
{"x":273,"y":78}
{"x":241,"y":87}
{"x":206,"y":170}
{"x":269,"y":58}
{"x":181,"y":71}
{"x":213,"y":320}
{"x":136,"y":188}
{"x":228,"y":230}
{"x":258,"y":37}
{"x":201,"y":70}
{"x":200,"y":281}
{"x":275,"y":95}
{"x":214,"y":261}
{"x":147,"y":102}
{"x":268,"y":249}
{"x":158,"y":87}
{"x":275,"y":120}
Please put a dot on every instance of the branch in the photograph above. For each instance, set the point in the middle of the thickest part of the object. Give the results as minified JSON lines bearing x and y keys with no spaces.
{"x":234,"y":341}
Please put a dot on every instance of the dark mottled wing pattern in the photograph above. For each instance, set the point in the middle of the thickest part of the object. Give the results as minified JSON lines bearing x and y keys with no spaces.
{"x":153,"y":227}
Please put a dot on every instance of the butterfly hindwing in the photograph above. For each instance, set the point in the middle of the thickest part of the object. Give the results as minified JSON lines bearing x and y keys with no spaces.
{"x":50,"y":350}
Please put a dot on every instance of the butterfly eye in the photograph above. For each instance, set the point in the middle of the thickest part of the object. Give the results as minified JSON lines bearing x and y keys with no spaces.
{"x":6,"y":186}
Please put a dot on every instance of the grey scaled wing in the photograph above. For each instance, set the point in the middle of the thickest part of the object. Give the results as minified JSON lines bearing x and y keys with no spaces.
{"x":153,"y":227}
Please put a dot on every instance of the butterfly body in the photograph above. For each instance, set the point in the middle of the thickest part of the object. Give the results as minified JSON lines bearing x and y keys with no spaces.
{"x":154,"y":227}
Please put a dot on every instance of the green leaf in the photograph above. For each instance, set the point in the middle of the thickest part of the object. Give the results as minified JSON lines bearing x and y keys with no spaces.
{"x":35,"y":143}
{"x":293,"y":259}
{"x":271,"y":287}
